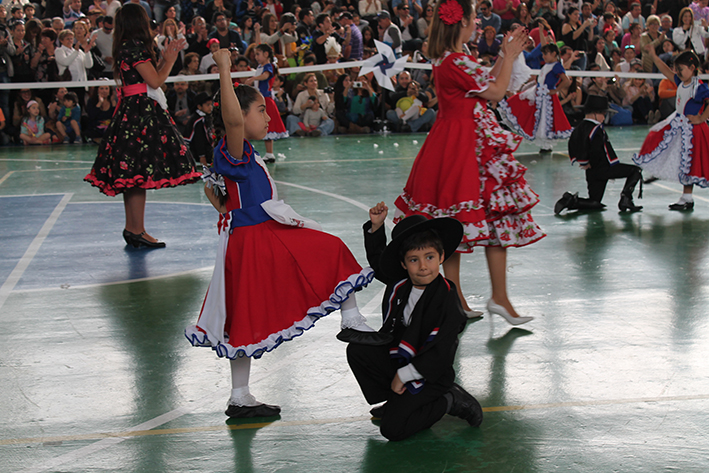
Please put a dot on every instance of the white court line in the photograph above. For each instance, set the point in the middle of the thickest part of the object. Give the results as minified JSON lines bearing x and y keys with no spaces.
{"x":26,"y":259}
{"x":30,"y":161}
{"x":4,"y":178}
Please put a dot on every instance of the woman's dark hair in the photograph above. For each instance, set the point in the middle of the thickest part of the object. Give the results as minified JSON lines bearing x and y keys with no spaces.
{"x":369,"y":43}
{"x":245,"y":94}
{"x":32,"y":29}
{"x":265,"y":48}
{"x":49,"y":33}
{"x":340,"y":99}
{"x":444,"y":37}
{"x":688,"y":58}
{"x":569,"y":12}
{"x":131,"y":23}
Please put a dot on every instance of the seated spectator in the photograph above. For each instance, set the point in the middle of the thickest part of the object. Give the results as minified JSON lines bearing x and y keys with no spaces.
{"x":32,"y":126}
{"x":489,"y":44}
{"x":342,"y":98}
{"x":640,"y":94}
{"x":406,"y":23}
{"x":597,"y":55}
{"x":20,"y":52}
{"x":72,"y":12}
{"x":283,"y":102}
{"x":410,"y":112}
{"x":487,"y":17}
{"x":607,"y":87}
{"x":571,"y":100}
{"x":362,"y":105}
{"x":241,"y":64}
{"x":77,"y":59}
{"x":180,"y":104}
{"x":99,"y":109}
{"x":368,"y":37}
{"x":171,"y":33}
{"x":200,"y":129}
{"x":505,"y":9}
{"x":19,"y":109}
{"x":523,"y":16}
{"x":668,"y":98}
{"x":311,"y":119}
{"x":247,"y":30}
{"x":298,"y":83}
{"x":389,"y":32}
{"x":632,"y":37}
{"x":628,"y":60}
{"x":633,"y":17}
{"x":690,"y":34}
{"x":576,"y":35}
{"x":207,"y":60}
{"x":609,"y":39}
{"x":666,"y":25}
{"x":609,"y":20}
{"x":303,"y":102}
{"x":545,"y":9}
{"x":651,"y":37}
{"x":191,"y":69}
{"x":69,"y":119}
{"x":423,"y":24}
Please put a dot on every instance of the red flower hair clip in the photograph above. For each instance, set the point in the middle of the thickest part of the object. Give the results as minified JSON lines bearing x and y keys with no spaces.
{"x":450,"y":12}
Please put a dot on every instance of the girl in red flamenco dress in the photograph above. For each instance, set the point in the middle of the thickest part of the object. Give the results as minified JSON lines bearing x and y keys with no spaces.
{"x":677,"y":148}
{"x":465,"y":169}
{"x":536,"y":113}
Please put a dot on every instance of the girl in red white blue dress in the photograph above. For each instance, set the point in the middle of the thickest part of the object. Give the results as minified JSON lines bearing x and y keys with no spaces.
{"x":536,"y":113}
{"x":276,"y":272}
{"x":263,"y":80}
{"x":677,"y":148}
{"x":465,"y":169}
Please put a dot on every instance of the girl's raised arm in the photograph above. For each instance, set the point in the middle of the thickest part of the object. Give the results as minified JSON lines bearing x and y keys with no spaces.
{"x":231,"y":110}
{"x":661,"y":66}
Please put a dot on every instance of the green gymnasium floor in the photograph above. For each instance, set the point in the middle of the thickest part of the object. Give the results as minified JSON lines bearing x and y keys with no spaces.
{"x":611,"y":376}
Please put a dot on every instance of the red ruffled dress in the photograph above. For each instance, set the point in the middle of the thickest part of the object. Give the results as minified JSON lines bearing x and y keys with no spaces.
{"x":142,"y":146}
{"x":276,"y":128}
{"x":465,"y":169}
{"x":536,"y":115}
{"x":675,"y":149}
{"x":273,"y":279}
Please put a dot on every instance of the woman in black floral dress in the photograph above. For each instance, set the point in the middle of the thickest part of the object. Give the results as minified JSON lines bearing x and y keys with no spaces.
{"x":142,"y":148}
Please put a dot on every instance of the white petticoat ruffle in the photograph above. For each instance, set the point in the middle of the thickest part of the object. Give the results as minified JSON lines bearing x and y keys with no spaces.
{"x":344,"y":289}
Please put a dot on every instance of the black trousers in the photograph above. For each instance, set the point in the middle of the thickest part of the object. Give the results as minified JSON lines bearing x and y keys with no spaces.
{"x":405,"y":414}
{"x":596,"y":179}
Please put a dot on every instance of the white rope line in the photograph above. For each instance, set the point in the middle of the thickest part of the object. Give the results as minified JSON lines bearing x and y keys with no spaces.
{"x":296,"y":70}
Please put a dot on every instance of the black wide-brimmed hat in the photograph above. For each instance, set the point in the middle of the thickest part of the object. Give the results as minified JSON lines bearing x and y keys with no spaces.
{"x":449,"y":230}
{"x":597,"y":104}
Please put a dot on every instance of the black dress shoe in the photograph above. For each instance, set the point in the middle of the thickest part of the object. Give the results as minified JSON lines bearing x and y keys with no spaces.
{"x":626,"y":204}
{"x":682,"y":206}
{"x":564,"y":202}
{"x":378,"y":412}
{"x":244,"y":412}
{"x":139,"y":240}
{"x":465,"y":406}
{"x":349,"y":335}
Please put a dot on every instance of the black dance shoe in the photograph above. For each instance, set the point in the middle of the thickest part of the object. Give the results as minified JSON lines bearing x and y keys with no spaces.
{"x":682,"y":206}
{"x":564,"y":202}
{"x":378,"y":412}
{"x":139,"y":240}
{"x":465,"y":406}
{"x":626,"y":204}
{"x":349,"y":335}
{"x":244,"y":412}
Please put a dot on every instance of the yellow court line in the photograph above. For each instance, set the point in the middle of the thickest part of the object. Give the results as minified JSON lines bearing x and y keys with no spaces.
{"x":341,"y":420}
{"x":6,"y":176}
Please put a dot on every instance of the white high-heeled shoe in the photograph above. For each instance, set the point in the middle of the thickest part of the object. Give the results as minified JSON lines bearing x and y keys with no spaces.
{"x":473,"y":314}
{"x":495,"y":308}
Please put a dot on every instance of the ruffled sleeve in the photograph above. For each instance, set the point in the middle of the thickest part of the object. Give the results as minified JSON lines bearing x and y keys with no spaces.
{"x":268,"y":68}
{"x":474,"y":77}
{"x":228,"y":166}
{"x":702,"y":94}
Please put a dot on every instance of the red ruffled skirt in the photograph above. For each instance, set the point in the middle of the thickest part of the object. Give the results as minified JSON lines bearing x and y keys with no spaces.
{"x":276,"y":128}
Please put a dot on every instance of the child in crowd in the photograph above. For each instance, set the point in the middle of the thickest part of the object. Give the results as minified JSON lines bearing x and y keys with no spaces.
{"x":537,"y":114}
{"x":32,"y":127}
{"x":69,"y":119}
{"x":590,"y":147}
{"x":200,"y":131}
{"x":678,"y":146}
{"x":263,"y":80}
{"x":312,"y":118}
{"x":276,"y":272}
{"x":413,"y":375}
{"x":241,"y":65}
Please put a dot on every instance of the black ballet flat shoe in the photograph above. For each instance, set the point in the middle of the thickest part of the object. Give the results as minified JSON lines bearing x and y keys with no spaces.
{"x":465,"y":406}
{"x":684,"y":206}
{"x":245,"y":412}
{"x":626,"y":204}
{"x":349,"y":335}
{"x":139,"y":240}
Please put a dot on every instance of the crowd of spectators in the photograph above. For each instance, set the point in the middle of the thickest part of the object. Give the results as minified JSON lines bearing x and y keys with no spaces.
{"x":72,"y":41}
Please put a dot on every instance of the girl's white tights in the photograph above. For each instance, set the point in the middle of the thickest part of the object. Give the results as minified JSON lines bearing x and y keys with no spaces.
{"x":240,"y":370}
{"x":351,"y":317}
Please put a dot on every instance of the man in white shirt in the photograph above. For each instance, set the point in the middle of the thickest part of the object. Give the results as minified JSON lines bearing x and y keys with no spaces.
{"x":103,"y":37}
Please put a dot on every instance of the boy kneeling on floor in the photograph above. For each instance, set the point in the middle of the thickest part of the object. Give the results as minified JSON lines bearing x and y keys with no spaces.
{"x":413,"y":373}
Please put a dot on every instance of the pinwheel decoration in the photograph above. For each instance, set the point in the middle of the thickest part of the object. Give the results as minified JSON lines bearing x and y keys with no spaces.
{"x":384,"y":65}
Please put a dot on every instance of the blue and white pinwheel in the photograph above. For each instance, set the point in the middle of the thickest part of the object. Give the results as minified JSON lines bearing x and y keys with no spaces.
{"x":384,"y":65}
